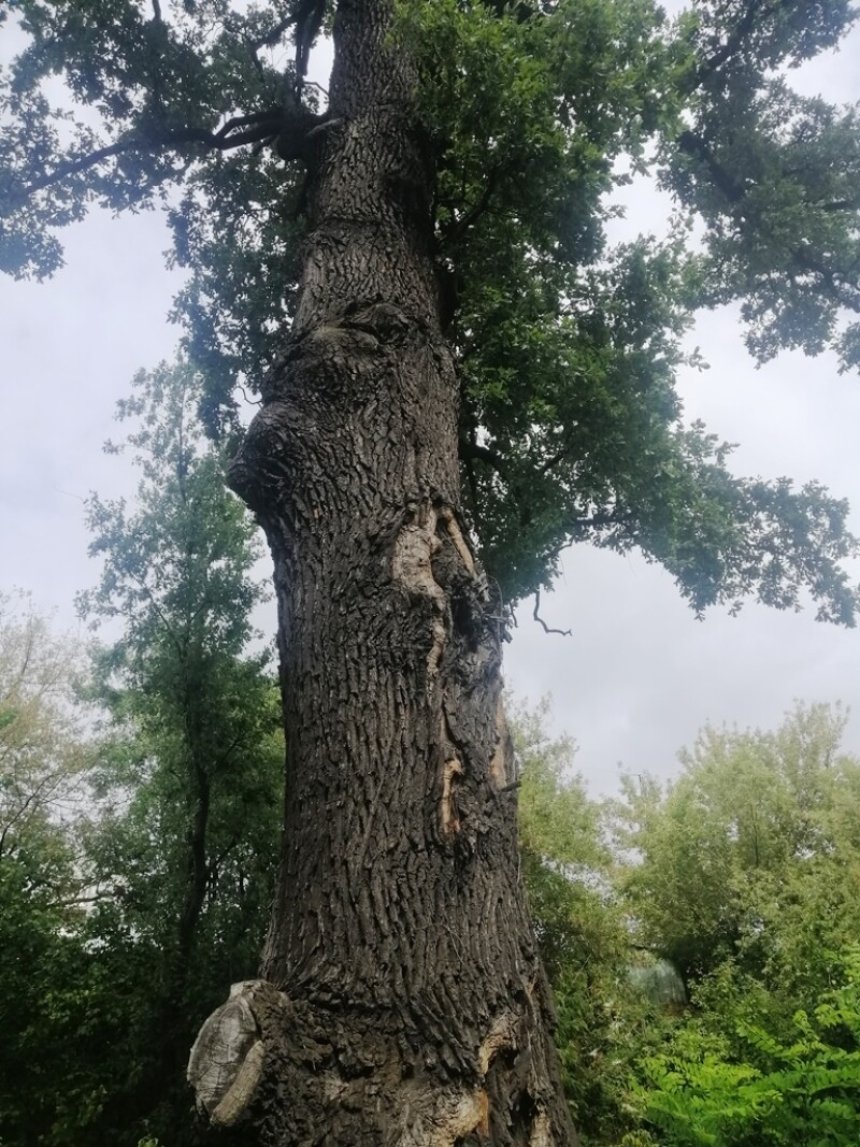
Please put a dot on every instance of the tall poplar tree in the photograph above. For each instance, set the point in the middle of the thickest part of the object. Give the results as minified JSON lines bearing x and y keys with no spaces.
{"x":194,"y":777}
{"x":457,"y":380}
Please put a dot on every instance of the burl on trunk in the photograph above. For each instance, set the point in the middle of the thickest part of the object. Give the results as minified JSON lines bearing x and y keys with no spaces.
{"x":402,"y":1001}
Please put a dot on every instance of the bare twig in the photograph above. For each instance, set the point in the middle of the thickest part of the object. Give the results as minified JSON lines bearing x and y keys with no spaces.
{"x":250,"y":401}
{"x":547,"y":628}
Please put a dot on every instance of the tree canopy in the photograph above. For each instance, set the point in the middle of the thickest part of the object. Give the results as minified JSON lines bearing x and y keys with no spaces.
{"x":744,"y":871}
{"x":735,"y":855}
{"x":566,"y":347}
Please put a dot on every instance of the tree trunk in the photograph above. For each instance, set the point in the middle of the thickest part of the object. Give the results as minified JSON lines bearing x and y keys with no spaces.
{"x":403,"y":1003}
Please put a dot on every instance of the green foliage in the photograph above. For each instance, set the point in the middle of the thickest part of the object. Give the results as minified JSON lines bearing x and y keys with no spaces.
{"x":44,"y":748}
{"x":748,"y":853}
{"x":779,"y":1090}
{"x":744,"y":872}
{"x":772,"y":174}
{"x":122,"y":917}
{"x":566,"y":350}
{"x":556,"y":817}
{"x":45,"y":993}
{"x":47,"y":985}
{"x":580,"y":930}
{"x":136,"y":76}
{"x":237,"y":235}
{"x":189,"y":826}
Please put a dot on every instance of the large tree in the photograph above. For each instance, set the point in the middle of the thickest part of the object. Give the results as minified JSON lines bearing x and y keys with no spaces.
{"x":415,"y":277}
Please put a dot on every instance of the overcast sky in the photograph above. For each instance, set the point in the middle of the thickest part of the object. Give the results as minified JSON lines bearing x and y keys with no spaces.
{"x":638,"y":677}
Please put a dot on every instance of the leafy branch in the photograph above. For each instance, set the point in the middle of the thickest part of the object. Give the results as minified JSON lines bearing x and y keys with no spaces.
{"x":256,"y":127}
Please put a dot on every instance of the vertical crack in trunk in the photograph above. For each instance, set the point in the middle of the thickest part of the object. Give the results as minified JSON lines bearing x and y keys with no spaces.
{"x":412,"y":566}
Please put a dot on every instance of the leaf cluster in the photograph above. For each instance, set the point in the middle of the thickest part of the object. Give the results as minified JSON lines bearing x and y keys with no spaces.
{"x":769,"y":1090}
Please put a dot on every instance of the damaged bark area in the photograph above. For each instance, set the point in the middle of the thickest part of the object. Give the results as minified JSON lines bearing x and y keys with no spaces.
{"x":260,"y":1032}
{"x":226,"y":1061}
{"x":402,"y":1001}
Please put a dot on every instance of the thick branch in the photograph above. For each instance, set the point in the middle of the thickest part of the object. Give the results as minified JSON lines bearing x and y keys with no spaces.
{"x":842,"y":292}
{"x":694,"y":146}
{"x":470,"y":450}
{"x":74,"y":901}
{"x":234,"y":133}
{"x":732,"y":45}
{"x":839,"y":205}
{"x":308,"y":20}
{"x":270,"y":39}
{"x":553,"y":461}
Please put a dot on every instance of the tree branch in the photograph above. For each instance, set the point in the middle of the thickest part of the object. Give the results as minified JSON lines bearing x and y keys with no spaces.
{"x":732,"y":44}
{"x":270,"y":38}
{"x":552,"y":462}
{"x":694,"y":146}
{"x":75,"y":900}
{"x":468,"y":450}
{"x":839,"y":205}
{"x":473,"y":214}
{"x":547,"y":628}
{"x":234,"y":133}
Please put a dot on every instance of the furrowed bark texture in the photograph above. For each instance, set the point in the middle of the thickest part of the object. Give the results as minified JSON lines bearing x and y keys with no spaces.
{"x":403,"y":1002}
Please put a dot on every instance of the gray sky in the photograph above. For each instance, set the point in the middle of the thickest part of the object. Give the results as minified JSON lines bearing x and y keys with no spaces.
{"x":638,"y":677}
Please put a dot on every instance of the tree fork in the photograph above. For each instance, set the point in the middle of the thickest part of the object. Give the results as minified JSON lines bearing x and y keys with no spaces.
{"x":402,"y":1000}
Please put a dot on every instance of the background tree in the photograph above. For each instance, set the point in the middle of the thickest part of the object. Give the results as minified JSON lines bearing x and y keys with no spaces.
{"x":456,"y":306}
{"x":125,"y":912}
{"x":45,"y":750}
{"x":604,"y":1023}
{"x":737,"y":857}
{"x":193,"y":786}
{"x":744,"y":873}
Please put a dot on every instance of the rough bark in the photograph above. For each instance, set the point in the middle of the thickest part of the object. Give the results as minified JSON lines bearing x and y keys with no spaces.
{"x":402,"y":1000}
